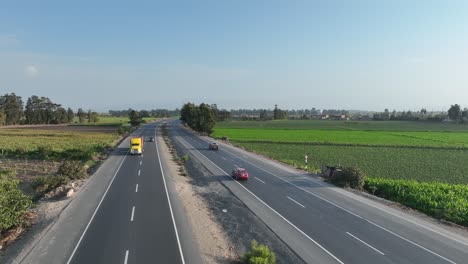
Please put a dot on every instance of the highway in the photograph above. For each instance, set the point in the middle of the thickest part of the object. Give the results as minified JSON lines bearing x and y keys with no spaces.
{"x":134,"y":221}
{"x":322,"y":223}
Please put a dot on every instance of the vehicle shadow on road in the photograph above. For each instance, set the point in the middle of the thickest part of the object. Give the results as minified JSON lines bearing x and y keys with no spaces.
{"x":119,"y":152}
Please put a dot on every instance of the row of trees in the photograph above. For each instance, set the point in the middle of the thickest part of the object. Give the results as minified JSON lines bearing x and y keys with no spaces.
{"x":39,"y":110}
{"x":161,"y":113}
{"x":457,"y":114}
{"x":201,"y":118}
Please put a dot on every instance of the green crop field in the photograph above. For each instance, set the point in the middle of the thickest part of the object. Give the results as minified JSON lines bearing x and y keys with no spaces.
{"x":346,"y":125}
{"x":354,"y":137}
{"x":418,"y":164}
{"x":418,"y":150}
{"x":53,"y":144}
{"x":111,"y":121}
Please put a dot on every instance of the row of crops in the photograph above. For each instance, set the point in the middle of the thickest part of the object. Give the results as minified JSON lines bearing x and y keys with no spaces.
{"x":441,"y":200}
{"x":424,"y":170}
{"x":53,"y":144}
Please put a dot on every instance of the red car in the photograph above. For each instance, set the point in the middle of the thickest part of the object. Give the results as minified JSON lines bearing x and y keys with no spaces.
{"x":240,"y":174}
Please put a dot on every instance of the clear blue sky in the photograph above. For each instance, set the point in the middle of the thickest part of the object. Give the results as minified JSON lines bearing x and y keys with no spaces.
{"x":367,"y":55}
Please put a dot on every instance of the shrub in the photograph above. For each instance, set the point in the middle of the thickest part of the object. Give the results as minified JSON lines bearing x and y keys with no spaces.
{"x":72,"y":169}
{"x":259,"y":254}
{"x":44,"y":184}
{"x":440,"y":200}
{"x":123,"y":130}
{"x":349,"y":177}
{"x":44,"y":152}
{"x":13,"y":203}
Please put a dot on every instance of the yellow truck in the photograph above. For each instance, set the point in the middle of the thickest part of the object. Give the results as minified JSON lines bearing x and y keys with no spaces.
{"x":136,"y":145}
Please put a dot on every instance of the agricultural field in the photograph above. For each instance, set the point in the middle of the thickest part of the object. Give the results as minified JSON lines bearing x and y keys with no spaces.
{"x":110,"y":121}
{"x":54,"y":144}
{"x":421,"y":165}
{"x":431,"y":153}
{"x":347,"y":125}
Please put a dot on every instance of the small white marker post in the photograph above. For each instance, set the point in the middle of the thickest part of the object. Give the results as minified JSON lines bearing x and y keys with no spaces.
{"x":305,"y":160}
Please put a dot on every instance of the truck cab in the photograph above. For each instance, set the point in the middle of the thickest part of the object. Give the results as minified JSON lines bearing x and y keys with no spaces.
{"x":136,"y":146}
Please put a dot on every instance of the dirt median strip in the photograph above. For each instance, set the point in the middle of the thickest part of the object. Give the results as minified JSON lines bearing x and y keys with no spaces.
{"x":214,"y":246}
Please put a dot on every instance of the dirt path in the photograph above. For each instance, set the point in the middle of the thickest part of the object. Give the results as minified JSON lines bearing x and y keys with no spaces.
{"x":213,"y":243}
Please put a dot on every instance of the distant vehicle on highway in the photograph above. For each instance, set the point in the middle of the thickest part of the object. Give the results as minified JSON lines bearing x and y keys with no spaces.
{"x":213,"y":146}
{"x":151,"y":139}
{"x":240,"y":174}
{"x":136,"y":145}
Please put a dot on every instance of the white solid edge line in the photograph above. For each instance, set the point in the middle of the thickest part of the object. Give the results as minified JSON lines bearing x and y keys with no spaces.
{"x":168,"y":199}
{"x":269,"y":207}
{"x":126,"y":257}
{"x":346,"y":210}
{"x":378,"y":251}
{"x":362,"y":201}
{"x":380,"y":209}
{"x":133,"y":212}
{"x":95,"y":211}
{"x":136,"y":188}
{"x":295,"y":201}
{"x":259,"y":180}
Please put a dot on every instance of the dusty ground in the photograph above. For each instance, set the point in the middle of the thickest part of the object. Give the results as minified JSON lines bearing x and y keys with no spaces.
{"x":237,"y":222}
{"x":213,"y":243}
{"x":27,"y":170}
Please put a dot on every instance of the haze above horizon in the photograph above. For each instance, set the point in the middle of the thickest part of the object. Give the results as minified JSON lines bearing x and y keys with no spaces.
{"x":366,"y":55}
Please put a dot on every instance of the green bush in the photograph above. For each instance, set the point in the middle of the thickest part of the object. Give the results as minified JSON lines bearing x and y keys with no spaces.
{"x":349,"y":177}
{"x":13,"y":203}
{"x":44,"y":184}
{"x":259,"y":254}
{"x":73,"y":169}
{"x":123,"y":130}
{"x":440,"y":200}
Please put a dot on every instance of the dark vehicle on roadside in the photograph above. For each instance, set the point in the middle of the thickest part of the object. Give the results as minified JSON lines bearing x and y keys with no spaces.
{"x":213,"y":146}
{"x":240,"y":174}
{"x":151,"y":139}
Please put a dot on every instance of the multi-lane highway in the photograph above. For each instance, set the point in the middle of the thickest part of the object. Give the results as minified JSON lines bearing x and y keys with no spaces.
{"x":321,"y":223}
{"x":134,"y":222}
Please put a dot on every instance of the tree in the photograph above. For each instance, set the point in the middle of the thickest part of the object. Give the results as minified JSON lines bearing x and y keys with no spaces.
{"x":144,"y":113}
{"x":12,"y":106}
{"x":70,"y":115}
{"x":465,"y":113}
{"x":263,"y":114}
{"x":81,"y":115}
{"x":189,"y":114}
{"x":61,"y":116}
{"x":2,"y":118}
{"x":386,"y":114}
{"x":93,"y":117}
{"x":200,"y":118}
{"x":206,"y":119}
{"x":41,"y":110}
{"x":276,"y":112}
{"x":454,"y":112}
{"x":135,"y":118}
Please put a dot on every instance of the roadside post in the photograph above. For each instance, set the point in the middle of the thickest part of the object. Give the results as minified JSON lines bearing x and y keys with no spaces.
{"x":306,"y":157}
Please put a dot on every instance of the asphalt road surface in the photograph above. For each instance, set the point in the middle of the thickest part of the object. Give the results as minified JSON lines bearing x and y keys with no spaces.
{"x":321,"y":223}
{"x":134,"y":223}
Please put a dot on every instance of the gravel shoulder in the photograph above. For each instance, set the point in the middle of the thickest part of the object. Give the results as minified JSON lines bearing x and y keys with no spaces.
{"x":213,"y":244}
{"x":239,"y":225}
